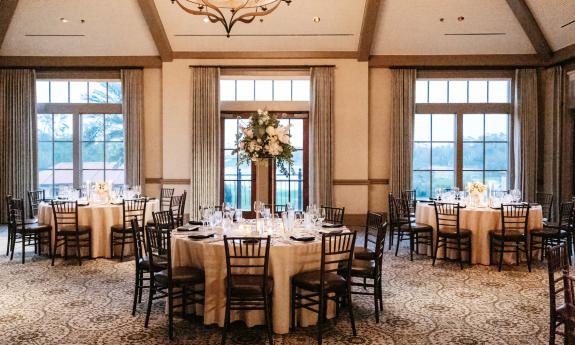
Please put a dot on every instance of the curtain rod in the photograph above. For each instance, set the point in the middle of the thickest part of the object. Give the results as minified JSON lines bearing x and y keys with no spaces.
{"x":262,"y":66}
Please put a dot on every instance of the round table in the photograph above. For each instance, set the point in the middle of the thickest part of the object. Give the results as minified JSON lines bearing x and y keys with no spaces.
{"x":479,"y":220}
{"x":287,"y":258}
{"x":100,"y":217}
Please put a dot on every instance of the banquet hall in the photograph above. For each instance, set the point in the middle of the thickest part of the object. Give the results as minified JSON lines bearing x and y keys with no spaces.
{"x":287,"y":172}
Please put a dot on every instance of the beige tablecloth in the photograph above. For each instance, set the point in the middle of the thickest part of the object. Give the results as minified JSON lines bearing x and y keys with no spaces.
{"x":100,"y":218}
{"x":479,"y":221}
{"x":286,"y":259}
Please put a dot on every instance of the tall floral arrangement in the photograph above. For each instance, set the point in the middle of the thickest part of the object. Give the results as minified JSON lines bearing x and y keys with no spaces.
{"x":264,"y":137}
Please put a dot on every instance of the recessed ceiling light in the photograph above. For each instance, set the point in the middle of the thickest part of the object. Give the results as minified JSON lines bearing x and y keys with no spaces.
{"x":442,"y":19}
{"x":64,"y":20}
{"x":316,"y":19}
{"x":461,"y":18}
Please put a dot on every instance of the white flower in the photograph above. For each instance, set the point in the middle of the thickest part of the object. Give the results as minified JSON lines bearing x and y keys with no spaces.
{"x":261,"y":121}
{"x":248,"y":132}
{"x":242,"y":145}
{"x":271,"y":131}
{"x":260,"y":111}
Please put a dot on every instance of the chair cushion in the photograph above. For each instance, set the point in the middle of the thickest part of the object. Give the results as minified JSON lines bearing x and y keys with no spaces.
{"x":30,"y":221}
{"x":362,"y":253}
{"x":69,"y":229}
{"x":509,"y":234}
{"x":453,"y":232}
{"x":181,"y":276}
{"x":311,"y":281}
{"x":37,"y":227}
{"x":244,"y":285}
{"x":144,"y":263}
{"x":363,"y":268}
{"x":416,"y":227}
{"x":548,"y":232}
{"x":120,"y":228}
{"x":554,"y":225}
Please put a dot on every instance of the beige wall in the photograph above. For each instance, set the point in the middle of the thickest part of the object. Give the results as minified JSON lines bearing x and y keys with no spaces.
{"x":361,"y":124}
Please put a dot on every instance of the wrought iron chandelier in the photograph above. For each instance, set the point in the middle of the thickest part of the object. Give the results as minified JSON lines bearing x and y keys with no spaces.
{"x":244,"y":11}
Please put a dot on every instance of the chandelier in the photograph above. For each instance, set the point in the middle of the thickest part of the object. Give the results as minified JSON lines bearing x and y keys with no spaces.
{"x":229,"y":12}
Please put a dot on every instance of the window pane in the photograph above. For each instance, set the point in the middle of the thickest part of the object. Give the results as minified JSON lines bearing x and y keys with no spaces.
{"x":264,"y":90}
{"x":97,"y":92}
{"x":296,"y":132}
{"x":116,"y":177}
{"x":282,"y":90}
{"x":92,"y":155}
{"x":496,"y":127}
{"x":59,"y":92}
{"x":471,"y":176}
{"x":230,"y":131}
{"x":296,"y":197}
{"x":499,"y":91}
{"x":495,"y":156}
{"x":422,"y":127}
{"x":227,"y":90}
{"x":282,"y":192}
{"x":458,"y":91}
{"x":443,"y":156}
{"x":42,"y":92}
{"x":230,"y":166}
{"x":443,"y":127}
{"x":301,"y":91}
{"x":442,"y":179}
{"x":92,"y":127}
{"x":231,"y":192}
{"x":44,"y":127}
{"x":297,"y":166}
{"x":421,"y":91}
{"x":63,"y":178}
{"x":496,"y":179}
{"x":92,"y":175}
{"x":114,"y":155}
{"x":473,"y":127}
{"x":473,"y":156}
{"x":421,"y":184}
{"x":477,"y":91}
{"x":63,"y":155}
{"x":45,"y":181}
{"x":438,"y":91}
{"x":245,"y":171}
{"x":63,"y":126}
{"x":115,"y":127}
{"x":421,"y":156}
{"x":45,"y":155}
{"x":245,"y":90}
{"x":78,"y":92}
{"x":114,"y":92}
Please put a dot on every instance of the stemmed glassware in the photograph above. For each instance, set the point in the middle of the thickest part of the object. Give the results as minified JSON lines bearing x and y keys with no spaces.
{"x":321,"y":216}
{"x":206,"y":215}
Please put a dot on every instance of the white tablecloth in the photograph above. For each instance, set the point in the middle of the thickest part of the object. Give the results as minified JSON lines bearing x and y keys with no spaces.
{"x":286,"y":259}
{"x":479,"y":221}
{"x":100,"y":218}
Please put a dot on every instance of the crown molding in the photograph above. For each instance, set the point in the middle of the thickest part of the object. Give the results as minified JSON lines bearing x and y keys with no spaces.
{"x":438,"y":61}
{"x":267,"y":55}
{"x":80,"y":61}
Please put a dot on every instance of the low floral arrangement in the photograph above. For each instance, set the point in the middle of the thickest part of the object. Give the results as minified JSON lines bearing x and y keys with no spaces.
{"x":476,"y":187}
{"x":101,"y":187}
{"x":264,"y":137}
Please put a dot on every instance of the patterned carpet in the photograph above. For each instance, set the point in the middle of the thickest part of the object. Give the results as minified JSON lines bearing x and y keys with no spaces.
{"x":91,"y":304}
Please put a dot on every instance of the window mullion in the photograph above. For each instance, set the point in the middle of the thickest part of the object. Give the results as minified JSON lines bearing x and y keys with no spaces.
{"x":459,"y":151}
{"x":76,"y":149}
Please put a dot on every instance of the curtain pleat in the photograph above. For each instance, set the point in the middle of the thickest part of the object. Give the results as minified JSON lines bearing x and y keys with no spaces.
{"x":525,"y":134}
{"x":17,"y":134}
{"x":205,"y":138}
{"x":403,"y":105}
{"x":133,"y":108}
{"x":321,"y":135}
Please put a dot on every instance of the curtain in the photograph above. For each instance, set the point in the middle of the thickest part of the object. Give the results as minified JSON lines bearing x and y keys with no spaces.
{"x":18,"y":173}
{"x":557,"y":138}
{"x":133,"y":108}
{"x":403,"y":111}
{"x":205,"y":138}
{"x":321,"y":135}
{"x":525,"y":134}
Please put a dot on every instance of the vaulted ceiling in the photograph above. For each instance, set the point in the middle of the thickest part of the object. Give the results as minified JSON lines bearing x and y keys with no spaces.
{"x":414,"y":27}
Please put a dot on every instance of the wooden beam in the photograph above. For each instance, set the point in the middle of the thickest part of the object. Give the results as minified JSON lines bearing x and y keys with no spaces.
{"x":156,"y":28}
{"x":80,"y":61}
{"x":370,"y":16}
{"x":563,"y":55}
{"x":445,"y":61}
{"x":532,"y":30}
{"x":7,"y":9}
{"x":267,"y":55}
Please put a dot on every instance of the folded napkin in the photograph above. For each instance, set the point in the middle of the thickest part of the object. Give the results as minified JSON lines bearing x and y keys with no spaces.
{"x":303,"y":238}
{"x":332,"y":225}
{"x":201,"y":236}
{"x":195,"y":222}
{"x":334,"y":231}
{"x":80,"y":204}
{"x":188,"y":228}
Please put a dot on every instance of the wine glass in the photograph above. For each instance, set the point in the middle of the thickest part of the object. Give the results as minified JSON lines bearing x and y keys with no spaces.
{"x":321,"y":216}
{"x":206,"y":214}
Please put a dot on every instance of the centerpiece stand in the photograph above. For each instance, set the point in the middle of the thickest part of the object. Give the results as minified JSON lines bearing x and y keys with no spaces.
{"x":265,"y":182}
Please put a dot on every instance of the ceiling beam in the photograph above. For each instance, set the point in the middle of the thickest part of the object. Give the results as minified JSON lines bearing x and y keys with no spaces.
{"x":7,"y":9}
{"x":563,"y":55}
{"x":80,"y":61}
{"x":370,"y":16}
{"x":530,"y":27}
{"x":156,"y":28}
{"x":435,"y":61}
{"x":267,"y":55}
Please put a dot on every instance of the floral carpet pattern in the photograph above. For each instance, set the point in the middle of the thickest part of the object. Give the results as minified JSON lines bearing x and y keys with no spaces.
{"x":91,"y":304}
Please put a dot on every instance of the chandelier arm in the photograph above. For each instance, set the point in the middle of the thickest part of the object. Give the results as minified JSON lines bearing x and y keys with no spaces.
{"x":211,"y":16}
{"x":250,"y":16}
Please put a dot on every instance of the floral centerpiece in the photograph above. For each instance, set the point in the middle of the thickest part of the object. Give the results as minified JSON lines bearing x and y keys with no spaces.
{"x":264,"y":137}
{"x":102,"y":190}
{"x":477,"y":192}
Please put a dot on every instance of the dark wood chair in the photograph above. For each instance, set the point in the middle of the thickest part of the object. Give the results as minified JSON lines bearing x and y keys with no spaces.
{"x":410,"y":197}
{"x":312,"y":290}
{"x":449,"y":234}
{"x":557,"y":265}
{"x":68,"y":232}
{"x":553,"y":234}
{"x":166,"y":195}
{"x":368,"y":260}
{"x":546,"y":202}
{"x":415,"y":233}
{"x":177,"y":206}
{"x":333,"y":214}
{"x":35,"y":197}
{"x":10,"y":232}
{"x":122,"y":233}
{"x":248,"y":291}
{"x":512,"y":237}
{"x":169,"y":282}
{"x":35,"y":234}
{"x":279,"y":209}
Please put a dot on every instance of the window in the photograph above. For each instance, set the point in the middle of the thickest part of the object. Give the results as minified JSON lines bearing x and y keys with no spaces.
{"x":80,"y":131}
{"x":265,"y":90}
{"x":290,"y":188}
{"x":461,"y":134}
{"x":237,"y":181}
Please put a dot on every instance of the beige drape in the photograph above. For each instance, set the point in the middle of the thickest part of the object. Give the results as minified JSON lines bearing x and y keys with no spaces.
{"x":525,"y":133}
{"x":133,"y":108}
{"x":18,"y":171}
{"x":205,"y":138}
{"x":557,"y":139}
{"x":321,"y":135}
{"x":403,"y":109}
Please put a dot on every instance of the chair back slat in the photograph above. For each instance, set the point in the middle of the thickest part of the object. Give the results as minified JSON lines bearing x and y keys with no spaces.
{"x":159,"y":239}
{"x":247,"y":256}
{"x":546,"y":202}
{"x":372,"y":228}
{"x":177,"y":206}
{"x":447,"y":217}
{"x":514,"y":217}
{"x":139,"y":240}
{"x":34,"y":199}
{"x":336,"y":253}
{"x":334,"y":214}
{"x":65,"y":214}
{"x":557,"y":264}
{"x":166,"y":195}
{"x":16,"y":214}
{"x":566,"y":214}
{"x":410,"y":197}
{"x":133,"y":209}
